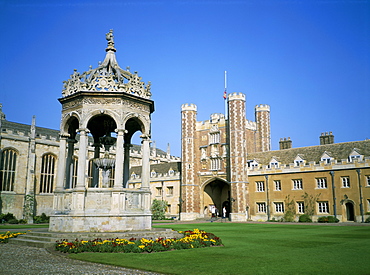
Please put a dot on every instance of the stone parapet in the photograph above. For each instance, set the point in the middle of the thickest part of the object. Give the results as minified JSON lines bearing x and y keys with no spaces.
{"x":262,"y":107}
{"x":188,"y":107}
{"x":236,"y":96}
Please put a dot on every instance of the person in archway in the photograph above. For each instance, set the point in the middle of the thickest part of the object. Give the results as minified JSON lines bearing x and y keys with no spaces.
{"x":224,"y":212}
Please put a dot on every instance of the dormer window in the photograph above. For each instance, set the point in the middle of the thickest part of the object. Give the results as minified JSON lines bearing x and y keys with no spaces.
{"x":326,"y":157}
{"x":252,"y":163}
{"x":298,"y":160}
{"x":171,"y":172}
{"x":355,"y":154}
{"x":274,"y":163}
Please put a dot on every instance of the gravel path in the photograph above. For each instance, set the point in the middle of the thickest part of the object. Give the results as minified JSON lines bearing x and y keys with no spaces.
{"x":24,"y":260}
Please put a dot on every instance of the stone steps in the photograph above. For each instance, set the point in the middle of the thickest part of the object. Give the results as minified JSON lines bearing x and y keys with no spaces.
{"x":46,"y":239}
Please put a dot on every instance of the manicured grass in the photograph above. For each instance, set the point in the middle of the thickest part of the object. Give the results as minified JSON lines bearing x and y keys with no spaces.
{"x":258,"y":249}
{"x":22,"y":226}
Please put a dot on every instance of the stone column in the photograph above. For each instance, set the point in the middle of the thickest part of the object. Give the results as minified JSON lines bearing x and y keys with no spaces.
{"x":145,"y":168}
{"x":81,"y":172}
{"x":94,"y":168}
{"x":118,"y":175}
{"x":61,"y":163}
{"x":126,"y":168}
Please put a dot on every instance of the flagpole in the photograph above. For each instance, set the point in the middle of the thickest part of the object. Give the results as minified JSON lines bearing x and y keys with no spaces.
{"x":225,"y":96}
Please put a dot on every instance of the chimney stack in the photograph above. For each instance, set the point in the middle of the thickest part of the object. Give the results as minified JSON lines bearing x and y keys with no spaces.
{"x":326,"y":138}
{"x":285,"y":143}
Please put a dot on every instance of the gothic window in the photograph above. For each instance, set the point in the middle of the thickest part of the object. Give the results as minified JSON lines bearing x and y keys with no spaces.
{"x":323,"y":207}
{"x":261,"y":207}
{"x":279,"y":207}
{"x":47,"y":175}
{"x":74,"y":172}
{"x":300,"y":206}
{"x":321,"y":183}
{"x":345,"y":182}
{"x":260,"y":186}
{"x":297,"y":184}
{"x":7,"y":169}
{"x":277,"y":185}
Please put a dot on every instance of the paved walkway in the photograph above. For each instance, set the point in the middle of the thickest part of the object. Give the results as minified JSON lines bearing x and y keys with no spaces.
{"x":23,"y":260}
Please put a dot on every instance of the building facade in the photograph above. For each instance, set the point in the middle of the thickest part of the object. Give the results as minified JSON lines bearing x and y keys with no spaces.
{"x":226,"y":168}
{"x":227,"y":164}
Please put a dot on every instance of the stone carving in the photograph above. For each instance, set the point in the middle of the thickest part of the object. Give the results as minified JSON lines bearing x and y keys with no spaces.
{"x":108,"y":77}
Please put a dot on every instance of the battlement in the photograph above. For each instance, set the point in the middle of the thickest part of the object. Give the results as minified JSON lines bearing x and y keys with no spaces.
{"x":262,"y":107}
{"x":236,"y":96}
{"x":216,"y":117}
{"x":251,"y":125}
{"x":309,"y":166}
{"x":188,"y":107}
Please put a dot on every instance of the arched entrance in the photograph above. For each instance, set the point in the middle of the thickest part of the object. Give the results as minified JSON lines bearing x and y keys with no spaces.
{"x":216,"y":195}
{"x":350,"y":211}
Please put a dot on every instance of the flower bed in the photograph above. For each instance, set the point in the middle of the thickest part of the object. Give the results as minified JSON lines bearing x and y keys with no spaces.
{"x":4,"y":238}
{"x":192,"y":239}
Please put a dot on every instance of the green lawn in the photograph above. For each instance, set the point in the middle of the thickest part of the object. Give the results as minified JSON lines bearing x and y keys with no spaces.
{"x":258,"y":249}
{"x":11,"y":227}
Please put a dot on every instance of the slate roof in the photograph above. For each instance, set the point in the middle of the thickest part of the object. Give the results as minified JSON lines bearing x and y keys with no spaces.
{"x":338,"y":151}
{"x":26,"y":129}
{"x":160,"y":168}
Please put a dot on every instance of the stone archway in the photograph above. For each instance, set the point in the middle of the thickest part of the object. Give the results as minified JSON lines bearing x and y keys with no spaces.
{"x":350,"y":212}
{"x":216,"y":193}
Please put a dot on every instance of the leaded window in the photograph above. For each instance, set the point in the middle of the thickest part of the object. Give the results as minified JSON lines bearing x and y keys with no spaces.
{"x":8,"y":166}
{"x":279,"y":207}
{"x":321,"y":183}
{"x":323,"y":207}
{"x":47,"y":175}
{"x":297,"y":184}
{"x":260,"y":186}
{"x":261,"y":207}
{"x":345,"y":182}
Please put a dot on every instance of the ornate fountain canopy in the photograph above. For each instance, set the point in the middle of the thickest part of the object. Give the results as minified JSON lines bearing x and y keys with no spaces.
{"x":107,"y":77}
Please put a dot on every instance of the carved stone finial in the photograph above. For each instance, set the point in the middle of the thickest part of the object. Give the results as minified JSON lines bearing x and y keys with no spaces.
{"x":109,"y":36}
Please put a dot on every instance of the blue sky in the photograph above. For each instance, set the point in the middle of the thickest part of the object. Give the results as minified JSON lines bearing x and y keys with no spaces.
{"x":309,"y":60}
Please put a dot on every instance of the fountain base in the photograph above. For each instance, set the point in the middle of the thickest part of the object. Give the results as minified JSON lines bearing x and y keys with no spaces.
{"x":101,"y":210}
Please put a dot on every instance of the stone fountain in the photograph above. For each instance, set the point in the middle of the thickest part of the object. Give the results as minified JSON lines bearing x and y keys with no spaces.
{"x":106,"y":163}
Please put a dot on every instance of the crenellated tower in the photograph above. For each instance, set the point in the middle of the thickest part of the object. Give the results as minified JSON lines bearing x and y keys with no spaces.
{"x":262,"y":113}
{"x":237,"y":174}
